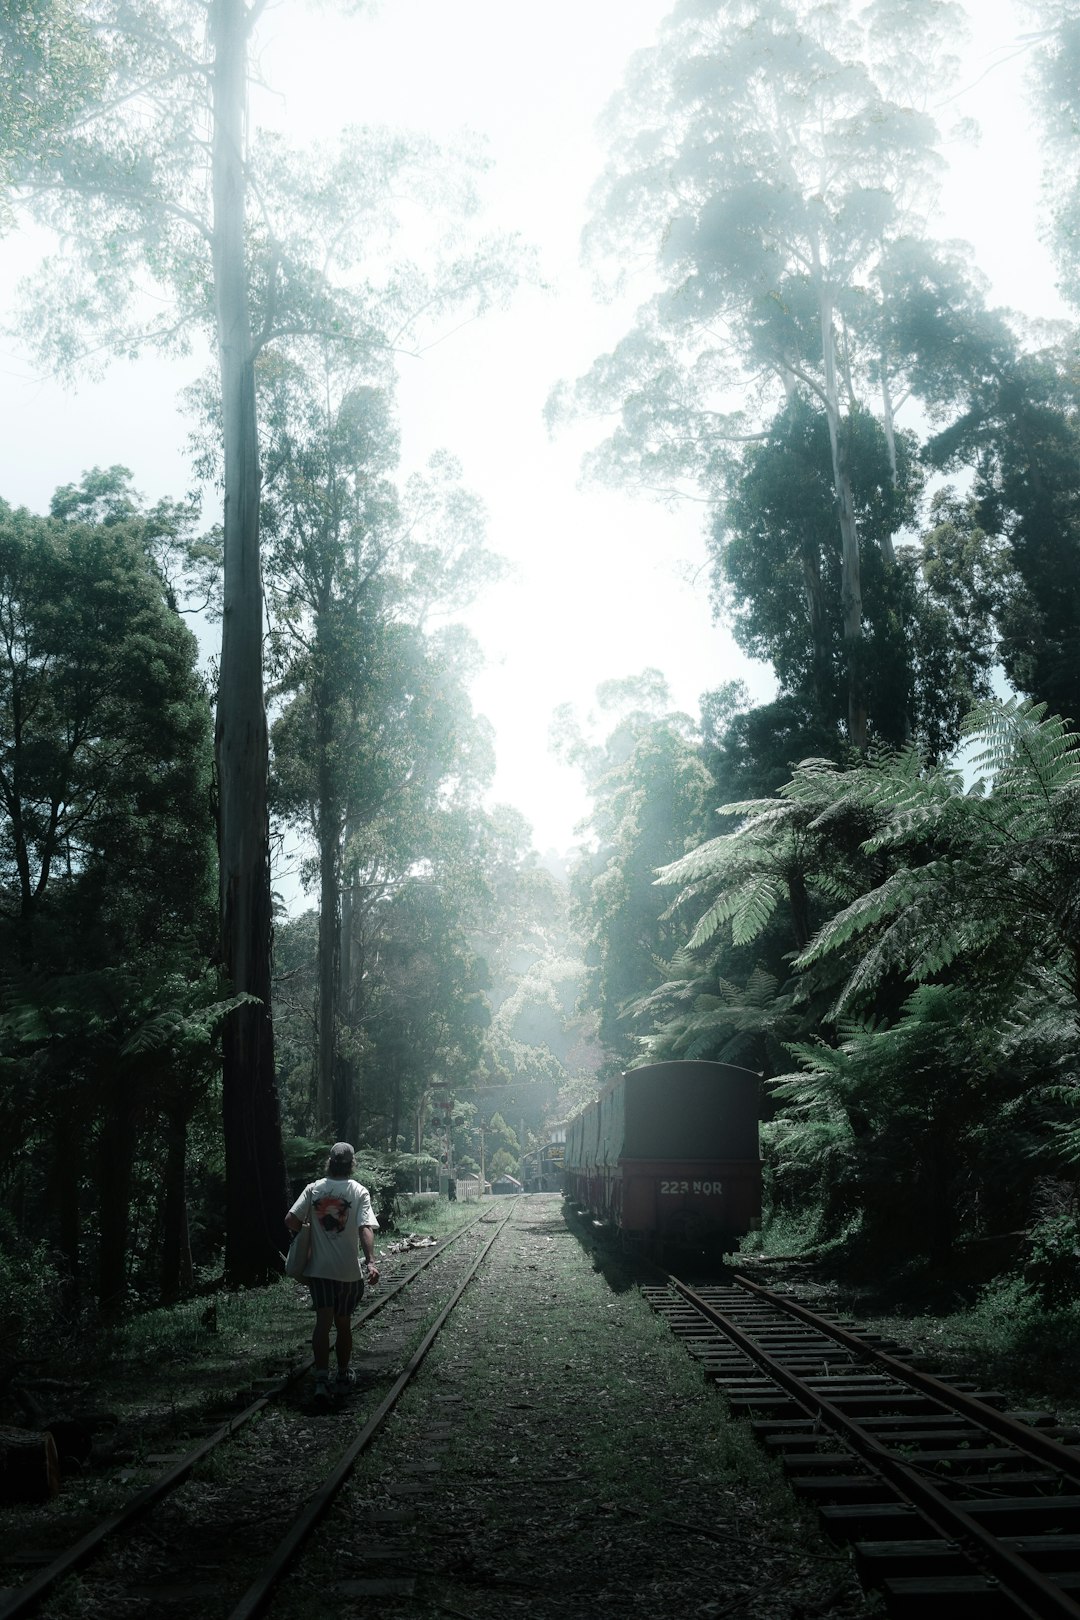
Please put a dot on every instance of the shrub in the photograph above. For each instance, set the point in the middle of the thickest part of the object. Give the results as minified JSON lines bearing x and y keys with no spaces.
{"x":1052,"y":1268}
{"x":32,"y":1299}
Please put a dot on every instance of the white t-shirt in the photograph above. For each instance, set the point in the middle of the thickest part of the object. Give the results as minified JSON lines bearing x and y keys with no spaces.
{"x":337,"y":1208}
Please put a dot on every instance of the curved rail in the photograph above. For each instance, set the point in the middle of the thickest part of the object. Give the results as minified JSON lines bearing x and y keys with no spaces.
{"x":1028,"y":1588}
{"x":75,"y":1557}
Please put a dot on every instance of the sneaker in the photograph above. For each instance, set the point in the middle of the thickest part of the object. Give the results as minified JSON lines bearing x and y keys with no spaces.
{"x":322,"y":1388}
{"x":346,"y":1381}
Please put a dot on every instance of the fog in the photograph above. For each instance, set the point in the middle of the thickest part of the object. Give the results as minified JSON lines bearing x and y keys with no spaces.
{"x":603,"y":583}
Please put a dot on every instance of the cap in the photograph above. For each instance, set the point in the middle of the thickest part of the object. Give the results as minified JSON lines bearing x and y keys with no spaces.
{"x":342,"y":1151}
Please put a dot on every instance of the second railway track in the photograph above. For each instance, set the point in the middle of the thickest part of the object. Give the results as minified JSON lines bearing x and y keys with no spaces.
{"x":954,"y":1505}
{"x":225,"y":1546}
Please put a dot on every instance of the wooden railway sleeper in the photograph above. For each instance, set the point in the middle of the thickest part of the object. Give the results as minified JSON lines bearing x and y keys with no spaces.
{"x":1065,"y":1459}
{"x":1028,"y":1589}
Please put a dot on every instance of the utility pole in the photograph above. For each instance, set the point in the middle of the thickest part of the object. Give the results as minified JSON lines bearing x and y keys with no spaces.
{"x":446,"y":1103}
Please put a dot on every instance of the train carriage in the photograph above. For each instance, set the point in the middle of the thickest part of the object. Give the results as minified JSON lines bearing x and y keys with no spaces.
{"x":669,"y":1154}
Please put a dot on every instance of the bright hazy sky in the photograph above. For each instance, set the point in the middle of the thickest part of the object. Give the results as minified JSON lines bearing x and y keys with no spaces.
{"x":603,"y":585}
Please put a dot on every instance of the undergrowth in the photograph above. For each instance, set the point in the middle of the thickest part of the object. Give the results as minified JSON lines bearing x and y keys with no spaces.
{"x":428,"y":1217}
{"x":1010,"y":1337}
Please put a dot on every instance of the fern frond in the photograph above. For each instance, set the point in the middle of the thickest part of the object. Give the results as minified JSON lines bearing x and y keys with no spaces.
{"x":165,"y":1028}
{"x":1027,"y":751}
{"x":897,"y":891}
{"x":748,"y":907}
{"x":756,"y":902}
{"x":706,"y":861}
{"x":709,"y":925}
{"x":761,"y":987}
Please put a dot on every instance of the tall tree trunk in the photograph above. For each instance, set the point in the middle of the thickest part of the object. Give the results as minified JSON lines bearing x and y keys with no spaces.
{"x":349,"y":967}
{"x":327,"y":1100}
{"x":327,"y":1096}
{"x":817,"y":615}
{"x":888,"y":550}
{"x":888,"y":422}
{"x":64,"y":1192}
{"x":850,"y":569}
{"x":116,"y":1156}
{"x":176,"y":1267}
{"x":255,"y":1197}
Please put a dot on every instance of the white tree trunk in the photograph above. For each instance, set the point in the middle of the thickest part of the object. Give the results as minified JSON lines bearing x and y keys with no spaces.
{"x":850,"y":568}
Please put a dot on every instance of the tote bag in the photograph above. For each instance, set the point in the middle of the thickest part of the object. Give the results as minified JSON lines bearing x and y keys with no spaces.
{"x":299,"y":1252}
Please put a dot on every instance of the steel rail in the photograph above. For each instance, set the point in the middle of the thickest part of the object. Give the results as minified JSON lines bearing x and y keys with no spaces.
{"x":258,"y":1595}
{"x":1027,"y":1587}
{"x":1065,"y":1459}
{"x":24,"y":1597}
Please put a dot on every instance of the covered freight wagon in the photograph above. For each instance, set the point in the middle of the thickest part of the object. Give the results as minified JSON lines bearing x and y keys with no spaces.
{"x":669,"y":1153}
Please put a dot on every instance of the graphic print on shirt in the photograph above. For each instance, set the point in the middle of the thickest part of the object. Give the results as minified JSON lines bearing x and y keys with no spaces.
{"x":332,"y":1213}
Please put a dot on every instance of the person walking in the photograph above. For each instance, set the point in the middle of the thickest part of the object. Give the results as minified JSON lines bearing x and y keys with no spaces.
{"x":342,"y":1223}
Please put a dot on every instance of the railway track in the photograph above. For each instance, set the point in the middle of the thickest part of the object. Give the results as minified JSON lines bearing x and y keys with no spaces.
{"x":954,"y":1505}
{"x":159,"y":1548}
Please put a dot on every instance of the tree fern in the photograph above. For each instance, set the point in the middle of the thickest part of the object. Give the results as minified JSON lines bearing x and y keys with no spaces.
{"x":1004,"y":889}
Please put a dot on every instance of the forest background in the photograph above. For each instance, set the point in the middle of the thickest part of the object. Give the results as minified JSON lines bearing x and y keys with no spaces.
{"x":884,"y":468}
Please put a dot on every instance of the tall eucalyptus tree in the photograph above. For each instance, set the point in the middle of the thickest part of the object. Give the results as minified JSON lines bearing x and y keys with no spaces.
{"x":1056,"y":101}
{"x":129,"y":178}
{"x":154,"y":176}
{"x":766,"y":159}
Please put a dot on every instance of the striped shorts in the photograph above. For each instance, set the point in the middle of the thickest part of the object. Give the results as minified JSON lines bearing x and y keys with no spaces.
{"x":330,"y":1293}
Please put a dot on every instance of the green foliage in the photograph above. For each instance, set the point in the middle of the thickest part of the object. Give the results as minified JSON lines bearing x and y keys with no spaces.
{"x":1052,"y":1264}
{"x":428,"y":1215}
{"x":768,"y":160}
{"x":699,"y":1013}
{"x":104,"y":728}
{"x":51,"y":61}
{"x":927,"y":613}
{"x":993,"y":883}
{"x":380,"y":1173}
{"x":1056,"y":102}
{"x":108,"y":1011}
{"x":113,"y":158}
{"x":777,"y":562}
{"x":749,"y":107}
{"x":32,"y":1295}
{"x":313,"y":283}
{"x":801,"y":845}
{"x":1015,"y":1340}
{"x":894,"y":1121}
{"x":378,"y":758}
{"x":933,"y":1006}
{"x":650,"y":800}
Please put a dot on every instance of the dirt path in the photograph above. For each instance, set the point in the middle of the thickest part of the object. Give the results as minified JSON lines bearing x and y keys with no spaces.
{"x":561,"y":1456}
